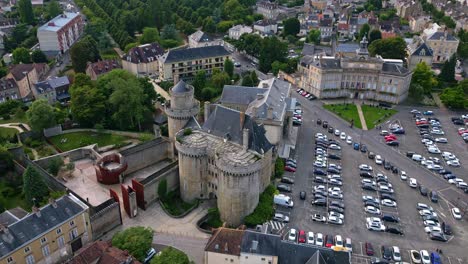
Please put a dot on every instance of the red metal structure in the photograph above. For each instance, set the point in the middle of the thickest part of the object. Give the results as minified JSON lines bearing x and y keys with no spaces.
{"x":109,"y":168}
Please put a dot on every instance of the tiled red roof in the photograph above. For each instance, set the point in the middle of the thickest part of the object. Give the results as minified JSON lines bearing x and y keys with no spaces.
{"x":18,"y":69}
{"x":343,"y":26}
{"x":105,"y":66}
{"x":226,"y":241}
{"x":101,"y":252}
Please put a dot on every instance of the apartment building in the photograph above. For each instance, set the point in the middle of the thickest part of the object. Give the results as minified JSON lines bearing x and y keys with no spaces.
{"x":49,"y":234}
{"x":143,"y":60}
{"x":26,"y":75}
{"x":8,"y":90}
{"x":60,"y":33}
{"x":443,"y":45}
{"x":185,"y":63}
{"x":268,"y":9}
{"x":358,"y":77}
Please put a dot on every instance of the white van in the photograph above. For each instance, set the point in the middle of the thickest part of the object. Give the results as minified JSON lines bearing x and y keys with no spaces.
{"x":416,"y":157}
{"x":283,"y":200}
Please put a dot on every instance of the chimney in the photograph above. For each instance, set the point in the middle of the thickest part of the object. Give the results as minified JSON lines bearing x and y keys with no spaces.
{"x":53,"y":202}
{"x":242,"y":119}
{"x":265,"y":85}
{"x":207,"y":110}
{"x":245,"y":139}
{"x":36,"y":211}
{"x":270,"y":112}
{"x":226,"y":249}
{"x":176,"y":78}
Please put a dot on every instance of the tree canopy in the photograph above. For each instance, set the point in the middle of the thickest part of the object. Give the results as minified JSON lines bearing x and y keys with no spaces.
{"x":447,"y":73}
{"x":21,"y":55}
{"x":26,"y":11}
{"x":41,"y":115}
{"x":364,"y":31}
{"x":375,"y":34}
{"x":422,"y":79}
{"x":390,"y":48}
{"x":229,"y":67}
{"x":456,"y":97}
{"x":53,"y":9}
{"x":171,"y":255}
{"x":82,"y":52}
{"x":37,"y":56}
{"x":34,"y":188}
{"x":150,"y":34}
{"x":313,"y":36}
{"x":136,"y":240}
{"x":291,"y":26}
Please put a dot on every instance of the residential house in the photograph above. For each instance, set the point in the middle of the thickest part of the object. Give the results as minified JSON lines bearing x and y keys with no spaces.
{"x":326,"y":29}
{"x":102,"y":252}
{"x":60,"y":33}
{"x":201,"y":39}
{"x":343,"y":30}
{"x":266,"y":27}
{"x":8,"y":90}
{"x":417,"y":24}
{"x":387,"y":30}
{"x":236,"y":31}
{"x":443,"y":45}
{"x":408,"y":8}
{"x":26,"y":75}
{"x":248,"y":246}
{"x":418,"y":52}
{"x":53,"y":90}
{"x":319,"y":4}
{"x":96,"y":69}
{"x":143,"y":60}
{"x":49,"y":234}
{"x":185,"y":63}
{"x":268,"y":9}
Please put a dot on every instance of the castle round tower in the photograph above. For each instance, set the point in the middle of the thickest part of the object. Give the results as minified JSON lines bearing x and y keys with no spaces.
{"x":181,"y":108}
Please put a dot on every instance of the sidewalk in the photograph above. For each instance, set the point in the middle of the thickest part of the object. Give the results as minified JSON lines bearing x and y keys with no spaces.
{"x":361,"y":116}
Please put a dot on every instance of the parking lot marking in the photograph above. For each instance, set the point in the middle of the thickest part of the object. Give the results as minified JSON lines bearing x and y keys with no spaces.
{"x":450,"y":262}
{"x":362,"y":252}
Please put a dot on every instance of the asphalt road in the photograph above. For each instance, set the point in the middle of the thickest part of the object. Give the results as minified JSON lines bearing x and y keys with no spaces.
{"x":354,"y":226}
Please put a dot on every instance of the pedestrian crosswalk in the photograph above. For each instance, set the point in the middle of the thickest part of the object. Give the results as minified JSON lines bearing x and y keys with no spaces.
{"x":275,"y":225}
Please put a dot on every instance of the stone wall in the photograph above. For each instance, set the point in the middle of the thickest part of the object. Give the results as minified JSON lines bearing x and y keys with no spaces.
{"x":146,"y":154}
{"x":105,"y":217}
{"x":53,"y":131}
{"x":74,"y":155}
{"x":151,"y":183}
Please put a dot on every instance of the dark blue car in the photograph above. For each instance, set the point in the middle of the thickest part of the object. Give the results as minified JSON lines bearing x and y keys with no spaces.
{"x":356,"y":146}
{"x":435,"y":258}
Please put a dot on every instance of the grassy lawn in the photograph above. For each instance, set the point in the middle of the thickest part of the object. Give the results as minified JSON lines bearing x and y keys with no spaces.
{"x":14,"y":120}
{"x":348,"y":112}
{"x":75,"y":140}
{"x":376,"y":115}
{"x":6,"y":132}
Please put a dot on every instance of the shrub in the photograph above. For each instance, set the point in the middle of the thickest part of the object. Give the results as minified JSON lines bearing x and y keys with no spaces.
{"x":279,"y":167}
{"x":136,"y":240}
{"x":6,"y":117}
{"x":187,"y":131}
{"x":54,"y":165}
{"x":146,"y":137}
{"x":162,"y":189}
{"x":264,"y":210}
{"x":214,"y":218}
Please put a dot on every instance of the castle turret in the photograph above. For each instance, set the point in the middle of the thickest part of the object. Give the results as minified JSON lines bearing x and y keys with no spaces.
{"x":181,"y":108}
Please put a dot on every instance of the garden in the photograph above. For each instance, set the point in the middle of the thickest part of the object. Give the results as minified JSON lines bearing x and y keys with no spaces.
{"x":69,"y":141}
{"x":346,"y":111}
{"x":172,"y":202}
{"x":376,"y":115}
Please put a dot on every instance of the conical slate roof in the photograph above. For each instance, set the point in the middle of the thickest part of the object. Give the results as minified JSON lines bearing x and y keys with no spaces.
{"x":180,"y":87}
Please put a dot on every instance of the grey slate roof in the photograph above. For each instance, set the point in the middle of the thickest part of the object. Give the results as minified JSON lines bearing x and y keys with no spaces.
{"x":32,"y":226}
{"x":274,"y":97}
{"x":391,"y":68}
{"x":290,"y":253}
{"x":347,"y":47}
{"x":181,"y":87}
{"x":423,"y":49}
{"x":51,"y":84}
{"x":233,"y":94}
{"x":224,"y":122}
{"x":308,"y":49}
{"x":195,"y":53}
{"x":144,"y":53}
{"x":439,"y":34}
{"x":201,"y":36}
{"x":330,"y":63}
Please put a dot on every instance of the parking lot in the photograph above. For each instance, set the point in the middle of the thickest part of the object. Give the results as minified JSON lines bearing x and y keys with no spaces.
{"x":354,"y":225}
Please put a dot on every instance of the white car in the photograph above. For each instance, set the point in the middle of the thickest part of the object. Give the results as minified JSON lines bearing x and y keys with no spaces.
{"x":373,"y":220}
{"x":453,"y":163}
{"x":455,"y":181}
{"x":433,"y":150}
{"x":335,"y":195}
{"x":388,"y":203}
{"x":334,"y":176}
{"x":431,"y":223}
{"x":372,"y":210}
{"x":422,"y":206}
{"x":337,"y":132}
{"x":319,"y":240}
{"x":343,"y":136}
{"x":335,"y":214}
{"x":436,"y":167}
{"x":462,"y":185}
{"x":384,"y":188}
{"x":365,"y":167}
{"x":370,"y":198}
{"x":368,"y":181}
{"x":338,"y":241}
{"x":334,"y":189}
{"x":310,"y":238}
{"x":292,"y":235}
{"x":456,"y":213}
{"x":349,"y":140}
{"x":429,"y":229}
{"x":396,"y":255}
{"x":425,"y":140}
{"x":437,"y":131}
{"x":441,"y":140}
{"x":425,"y":212}
{"x":403,"y":176}
{"x":332,"y":165}
{"x":375,"y":226}
{"x":348,"y":245}
{"x":413,"y":183}
{"x":378,"y":160}
{"x":434,"y":159}
{"x":425,"y":257}
{"x":426,"y":162}
{"x":334,"y":146}
{"x":320,"y":187}
{"x":335,"y":220}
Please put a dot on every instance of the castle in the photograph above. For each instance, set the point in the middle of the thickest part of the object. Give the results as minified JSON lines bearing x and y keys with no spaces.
{"x":228,"y":157}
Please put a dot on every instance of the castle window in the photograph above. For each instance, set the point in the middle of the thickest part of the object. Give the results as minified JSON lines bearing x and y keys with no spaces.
{"x":9,"y":259}
{"x":27,"y":249}
{"x":43,"y":240}
{"x":72,"y":223}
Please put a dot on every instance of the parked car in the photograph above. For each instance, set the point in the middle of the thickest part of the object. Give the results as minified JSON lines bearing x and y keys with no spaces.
{"x":302,"y":236}
{"x":369,"y":249}
{"x":283,"y":188}
{"x":318,"y":218}
{"x":386,"y":253}
{"x":287,"y":180}
{"x":394,"y":230}
{"x":281,"y":218}
{"x":415,"y":256}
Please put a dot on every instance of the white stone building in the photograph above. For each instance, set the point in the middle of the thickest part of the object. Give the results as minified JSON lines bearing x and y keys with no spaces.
{"x":201,"y":39}
{"x":236,"y":31}
{"x":60,"y":33}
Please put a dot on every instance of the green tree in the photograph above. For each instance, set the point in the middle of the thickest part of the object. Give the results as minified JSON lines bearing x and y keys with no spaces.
{"x":219,"y":79}
{"x":416,"y":92}
{"x":6,"y":160}
{"x":272,"y":49}
{"x":390,"y":48}
{"x":149,"y":35}
{"x":41,"y":115}
{"x":364,"y":31}
{"x":277,"y":66}
{"x":199,"y":83}
{"x":171,"y":255}
{"x":34,"y":188}
{"x":21,"y":55}
{"x":224,"y":26}
{"x":454,"y":97}
{"x":423,"y":76}
{"x":247,"y":81}
{"x":82,"y":52}
{"x":88,"y":104}
{"x":162,"y":189}
{"x":447,"y":74}
{"x":375,"y":34}
{"x":229,"y":67}
{"x":313,"y":36}
{"x":54,"y":165}
{"x":38,"y":56}
{"x":291,"y":26}
{"x":169,"y":32}
{"x":53,"y":9}
{"x":254,"y":77}
{"x":136,"y":240}
{"x":209,"y":25}
{"x":25,"y":11}
{"x":279,"y":167}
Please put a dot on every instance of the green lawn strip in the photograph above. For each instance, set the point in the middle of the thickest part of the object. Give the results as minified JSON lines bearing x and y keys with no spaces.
{"x":80,"y":139}
{"x":13,"y":120}
{"x":348,"y":112}
{"x":6,"y":132}
{"x":375,"y":115}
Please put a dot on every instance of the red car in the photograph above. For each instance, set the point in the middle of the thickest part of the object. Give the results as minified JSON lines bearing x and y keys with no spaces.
{"x":302,"y":236}
{"x":390,"y":139}
{"x":369,"y":249}
{"x":290,"y":169}
{"x":422,"y":122}
{"x":462,"y":131}
{"x":329,"y":241}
